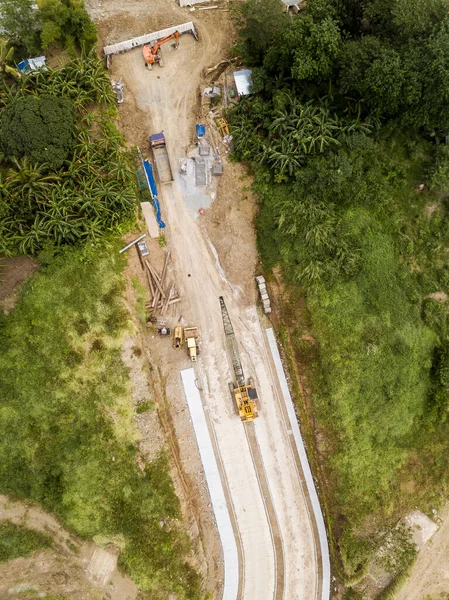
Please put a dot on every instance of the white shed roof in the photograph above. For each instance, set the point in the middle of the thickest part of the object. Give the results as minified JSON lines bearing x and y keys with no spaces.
{"x":243,"y":81}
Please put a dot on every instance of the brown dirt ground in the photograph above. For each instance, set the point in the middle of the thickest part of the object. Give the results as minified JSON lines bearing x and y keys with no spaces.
{"x":429,"y":578}
{"x":13,"y":272}
{"x":169,"y":425}
{"x":229,"y":218}
{"x":73,"y":568}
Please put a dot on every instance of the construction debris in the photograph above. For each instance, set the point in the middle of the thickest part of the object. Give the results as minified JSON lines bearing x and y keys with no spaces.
{"x":132,"y":243}
{"x":118,"y":87}
{"x":264,"y":294}
{"x":162,"y":296}
{"x":164,"y":331}
{"x":223,"y":63}
{"x":212,"y":92}
{"x":143,"y":249}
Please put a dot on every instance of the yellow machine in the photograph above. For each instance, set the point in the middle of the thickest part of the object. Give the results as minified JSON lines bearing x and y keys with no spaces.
{"x":191,"y":336}
{"x":244,"y":394}
{"x":223,"y":126}
{"x":245,"y":397}
{"x":178,"y":337}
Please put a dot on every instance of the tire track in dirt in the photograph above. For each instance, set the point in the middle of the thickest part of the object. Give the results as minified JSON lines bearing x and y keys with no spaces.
{"x":269,"y":509}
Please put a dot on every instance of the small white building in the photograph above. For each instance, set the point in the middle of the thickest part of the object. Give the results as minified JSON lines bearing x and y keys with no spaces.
{"x":243,"y":81}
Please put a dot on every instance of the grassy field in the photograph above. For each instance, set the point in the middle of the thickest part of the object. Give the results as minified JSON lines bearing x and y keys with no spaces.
{"x":371,"y":347}
{"x":66,"y":431}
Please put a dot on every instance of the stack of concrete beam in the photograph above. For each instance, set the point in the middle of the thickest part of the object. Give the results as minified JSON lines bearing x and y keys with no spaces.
{"x":264,"y":294}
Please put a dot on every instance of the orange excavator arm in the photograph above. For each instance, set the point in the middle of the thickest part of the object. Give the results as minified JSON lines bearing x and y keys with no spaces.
{"x":151,"y":53}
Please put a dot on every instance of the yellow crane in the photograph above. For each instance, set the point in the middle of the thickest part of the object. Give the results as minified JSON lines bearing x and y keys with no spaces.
{"x":244,"y":394}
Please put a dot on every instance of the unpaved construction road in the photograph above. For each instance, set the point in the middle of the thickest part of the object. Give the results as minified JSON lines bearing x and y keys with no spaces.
{"x":275,"y":530}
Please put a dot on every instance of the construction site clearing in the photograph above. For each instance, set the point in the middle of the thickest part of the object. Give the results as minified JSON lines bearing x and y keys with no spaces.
{"x":212,"y":140}
{"x":191,"y":305}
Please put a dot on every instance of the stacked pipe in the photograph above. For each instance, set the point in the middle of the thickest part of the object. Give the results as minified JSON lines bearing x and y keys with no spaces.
{"x":162,"y":297}
{"x":263,"y":294}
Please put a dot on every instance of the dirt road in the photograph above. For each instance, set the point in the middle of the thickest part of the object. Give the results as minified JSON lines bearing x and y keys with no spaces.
{"x":274,"y":527}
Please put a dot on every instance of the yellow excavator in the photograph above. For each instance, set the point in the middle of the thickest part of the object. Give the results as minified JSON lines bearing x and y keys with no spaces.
{"x":152,"y":53}
{"x":244,"y":394}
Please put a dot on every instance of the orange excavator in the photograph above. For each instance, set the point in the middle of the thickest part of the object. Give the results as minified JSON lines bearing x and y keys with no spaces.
{"x":151,"y":53}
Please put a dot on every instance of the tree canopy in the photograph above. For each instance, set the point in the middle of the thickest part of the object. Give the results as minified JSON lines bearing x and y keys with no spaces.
{"x":31,"y":27}
{"x":40,"y":128}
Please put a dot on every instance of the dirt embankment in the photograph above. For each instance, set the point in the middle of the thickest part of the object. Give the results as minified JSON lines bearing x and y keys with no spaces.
{"x":71,"y":568}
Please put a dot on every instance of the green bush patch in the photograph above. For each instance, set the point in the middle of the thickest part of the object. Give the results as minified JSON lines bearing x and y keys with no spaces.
{"x":16,"y":541}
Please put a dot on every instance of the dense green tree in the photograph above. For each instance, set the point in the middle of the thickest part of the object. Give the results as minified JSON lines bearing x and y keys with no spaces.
{"x":66,"y":22}
{"x":20,"y":24}
{"x":258,"y":22}
{"x":307,"y":49}
{"x":41,"y":128}
{"x":362,"y":242}
{"x":382,"y":83}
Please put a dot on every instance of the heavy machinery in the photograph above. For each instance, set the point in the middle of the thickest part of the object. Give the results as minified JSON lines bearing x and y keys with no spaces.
{"x":152,"y":52}
{"x":178,"y":337}
{"x":223,"y":126}
{"x":164,"y":331}
{"x":244,"y":394}
{"x":191,"y":336}
{"x":159,"y":148}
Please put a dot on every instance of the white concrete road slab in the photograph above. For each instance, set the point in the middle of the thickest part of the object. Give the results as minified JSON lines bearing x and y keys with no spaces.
{"x":304,"y":464}
{"x":222,"y":517}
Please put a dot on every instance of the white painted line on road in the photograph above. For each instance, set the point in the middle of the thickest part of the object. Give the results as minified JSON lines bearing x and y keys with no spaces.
{"x":210,"y":466}
{"x":304,"y":463}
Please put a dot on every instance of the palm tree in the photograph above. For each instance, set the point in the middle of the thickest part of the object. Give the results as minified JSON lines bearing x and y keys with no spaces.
{"x":30,"y":181}
{"x":6,"y":55}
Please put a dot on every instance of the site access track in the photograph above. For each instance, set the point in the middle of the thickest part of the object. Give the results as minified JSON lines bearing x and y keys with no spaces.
{"x":274,"y":528}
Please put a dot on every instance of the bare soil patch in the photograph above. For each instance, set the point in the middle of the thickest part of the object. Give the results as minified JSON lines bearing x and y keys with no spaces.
{"x":430,"y":574}
{"x":154,"y":370}
{"x":72,"y":568}
{"x":12,"y":273}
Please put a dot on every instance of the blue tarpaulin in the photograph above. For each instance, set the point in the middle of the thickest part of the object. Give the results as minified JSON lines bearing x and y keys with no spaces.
{"x":153,"y":189}
{"x":32,"y":65}
{"x":200,"y":131}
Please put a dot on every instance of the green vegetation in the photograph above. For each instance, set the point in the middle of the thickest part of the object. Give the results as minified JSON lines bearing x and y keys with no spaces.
{"x":40,"y":128}
{"x":32,"y":27}
{"x":66,"y":420}
{"x":62,"y":182}
{"x":16,"y":541}
{"x":350,"y":114}
{"x":66,"y":432}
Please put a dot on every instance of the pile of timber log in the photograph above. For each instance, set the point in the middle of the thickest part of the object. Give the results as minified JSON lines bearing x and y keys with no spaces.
{"x":161,"y":297}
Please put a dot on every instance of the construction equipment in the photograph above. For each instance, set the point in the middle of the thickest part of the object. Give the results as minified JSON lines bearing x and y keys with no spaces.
{"x":178,"y":337}
{"x":152,"y":52}
{"x":244,"y":394}
{"x":143,"y":249}
{"x":159,"y":148}
{"x":191,"y":336}
{"x":164,"y":331}
{"x":223,"y":126}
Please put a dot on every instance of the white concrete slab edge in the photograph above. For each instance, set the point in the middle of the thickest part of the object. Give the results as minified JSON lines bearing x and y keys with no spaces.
{"x":304,"y":463}
{"x":222,"y":517}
